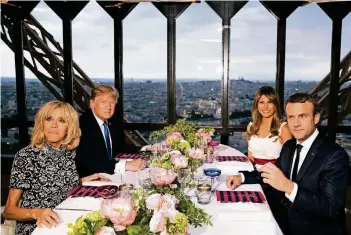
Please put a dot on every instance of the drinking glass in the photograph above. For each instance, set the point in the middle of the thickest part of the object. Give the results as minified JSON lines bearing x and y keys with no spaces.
{"x":203,"y":194}
{"x":184,"y":175}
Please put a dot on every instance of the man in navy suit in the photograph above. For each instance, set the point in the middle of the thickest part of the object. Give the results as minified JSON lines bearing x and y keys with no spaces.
{"x":101,"y":139}
{"x":310,"y":177}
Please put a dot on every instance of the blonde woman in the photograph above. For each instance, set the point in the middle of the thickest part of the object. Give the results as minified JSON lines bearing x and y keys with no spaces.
{"x":44,"y":172}
{"x":267,"y":132}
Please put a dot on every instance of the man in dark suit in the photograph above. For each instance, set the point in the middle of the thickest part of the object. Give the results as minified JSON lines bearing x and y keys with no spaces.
{"x":101,"y":139}
{"x":310,"y":177}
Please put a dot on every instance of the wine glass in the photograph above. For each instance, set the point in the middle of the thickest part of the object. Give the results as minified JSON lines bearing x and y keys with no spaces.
{"x":144,"y":178}
{"x":183,"y":177}
{"x":213,"y":173}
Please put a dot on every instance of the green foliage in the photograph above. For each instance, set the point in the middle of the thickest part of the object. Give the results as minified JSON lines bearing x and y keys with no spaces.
{"x":164,"y":162}
{"x":180,"y":225}
{"x":196,"y":216}
{"x":180,"y":126}
{"x":189,"y":214}
{"x":88,"y":224}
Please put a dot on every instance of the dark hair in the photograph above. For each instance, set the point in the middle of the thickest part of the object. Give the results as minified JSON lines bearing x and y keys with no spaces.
{"x":273,"y":96}
{"x":302,"y":98}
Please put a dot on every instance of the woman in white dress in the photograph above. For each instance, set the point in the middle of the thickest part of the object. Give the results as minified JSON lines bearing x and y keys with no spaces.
{"x":267,"y":132}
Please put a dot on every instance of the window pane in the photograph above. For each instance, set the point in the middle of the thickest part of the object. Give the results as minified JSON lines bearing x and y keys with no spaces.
{"x":307,"y":50}
{"x":344,"y":140}
{"x":145,"y":64}
{"x":239,"y":141}
{"x":345,"y":49}
{"x":199,"y":65}
{"x":92,"y":40}
{"x":252,"y":58}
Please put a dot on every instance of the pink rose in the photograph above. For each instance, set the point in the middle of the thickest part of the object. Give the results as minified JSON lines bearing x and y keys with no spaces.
{"x":161,"y":176}
{"x":157,"y":222}
{"x":160,"y":202}
{"x":173,"y":137}
{"x":120,"y":211}
{"x":180,"y":162}
{"x":178,"y":159}
{"x":176,"y":135}
{"x":196,"y":153}
{"x":163,"y":206}
{"x":106,"y":231}
{"x":105,"y":208}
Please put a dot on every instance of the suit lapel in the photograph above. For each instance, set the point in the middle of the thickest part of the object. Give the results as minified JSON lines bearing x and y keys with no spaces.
{"x":309,"y":157}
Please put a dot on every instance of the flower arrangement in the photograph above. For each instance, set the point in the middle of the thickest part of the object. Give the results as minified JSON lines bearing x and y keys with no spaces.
{"x":184,"y":144}
{"x":163,"y":208}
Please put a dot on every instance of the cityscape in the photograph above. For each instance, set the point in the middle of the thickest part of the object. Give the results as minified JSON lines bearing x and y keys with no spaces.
{"x":145,"y":100}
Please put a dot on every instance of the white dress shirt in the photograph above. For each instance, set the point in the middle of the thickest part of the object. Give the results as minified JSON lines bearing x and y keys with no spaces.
{"x":121,"y":165}
{"x":306,"y":145}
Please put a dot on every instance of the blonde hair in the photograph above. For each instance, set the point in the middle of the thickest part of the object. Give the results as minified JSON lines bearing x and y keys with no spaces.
{"x":104,"y":90}
{"x":70,"y":115}
{"x":273,"y":97}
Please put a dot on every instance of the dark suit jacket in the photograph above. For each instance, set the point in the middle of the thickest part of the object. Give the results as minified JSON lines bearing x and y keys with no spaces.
{"x":91,"y":153}
{"x":322,"y":181}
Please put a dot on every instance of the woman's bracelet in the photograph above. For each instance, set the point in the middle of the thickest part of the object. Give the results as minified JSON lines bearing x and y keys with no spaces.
{"x":30,"y":215}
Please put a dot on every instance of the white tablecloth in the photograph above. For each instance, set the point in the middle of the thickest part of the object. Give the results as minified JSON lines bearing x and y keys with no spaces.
{"x":228,"y":218}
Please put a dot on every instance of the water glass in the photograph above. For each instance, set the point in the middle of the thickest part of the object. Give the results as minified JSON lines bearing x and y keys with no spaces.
{"x":184,"y":177}
{"x":144,"y":179}
{"x":126,"y":190}
{"x":203,"y":194}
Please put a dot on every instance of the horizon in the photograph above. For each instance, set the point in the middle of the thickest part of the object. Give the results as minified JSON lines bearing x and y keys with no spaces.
{"x":180,"y":79}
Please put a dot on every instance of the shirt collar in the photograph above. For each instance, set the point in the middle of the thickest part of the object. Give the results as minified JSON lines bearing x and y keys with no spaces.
{"x":309,"y":141}
{"x":100,"y":122}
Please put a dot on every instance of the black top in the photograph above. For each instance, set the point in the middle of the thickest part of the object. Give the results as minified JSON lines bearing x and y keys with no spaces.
{"x":45,"y":175}
{"x":92,"y":153}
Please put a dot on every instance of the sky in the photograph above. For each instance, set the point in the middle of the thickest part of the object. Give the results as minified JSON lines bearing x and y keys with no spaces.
{"x":198,"y":50}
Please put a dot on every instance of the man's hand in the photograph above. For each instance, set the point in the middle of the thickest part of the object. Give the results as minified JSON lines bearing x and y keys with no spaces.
{"x":273,"y":176}
{"x":46,"y":217}
{"x":95,"y":176}
{"x":234,"y":181}
{"x":135,"y":165}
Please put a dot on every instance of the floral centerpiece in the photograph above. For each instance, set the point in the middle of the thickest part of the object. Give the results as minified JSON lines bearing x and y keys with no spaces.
{"x":163,"y":208}
{"x":185,"y":146}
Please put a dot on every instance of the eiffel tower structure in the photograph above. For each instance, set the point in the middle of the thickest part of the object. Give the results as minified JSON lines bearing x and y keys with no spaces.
{"x":46,"y":62}
{"x":322,"y":91}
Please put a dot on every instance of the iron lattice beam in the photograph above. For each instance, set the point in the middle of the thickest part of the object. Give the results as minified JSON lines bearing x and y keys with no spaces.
{"x":45,"y":51}
{"x":321,"y":91}
{"x":46,"y":63}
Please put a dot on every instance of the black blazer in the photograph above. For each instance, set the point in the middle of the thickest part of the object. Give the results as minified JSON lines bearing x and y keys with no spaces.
{"x":322,"y":181}
{"x":91,"y":153}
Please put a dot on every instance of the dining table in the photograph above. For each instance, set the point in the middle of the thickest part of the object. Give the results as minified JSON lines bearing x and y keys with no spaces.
{"x":227,"y":218}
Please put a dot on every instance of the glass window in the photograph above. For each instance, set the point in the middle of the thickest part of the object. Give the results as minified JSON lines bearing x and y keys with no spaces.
{"x":252,"y":59}
{"x":308,"y":49}
{"x":199,"y":64}
{"x":92,"y":40}
{"x":346,"y":49}
{"x":145,"y":65}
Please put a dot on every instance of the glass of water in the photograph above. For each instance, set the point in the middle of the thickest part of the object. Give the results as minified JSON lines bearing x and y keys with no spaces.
{"x":203,"y":194}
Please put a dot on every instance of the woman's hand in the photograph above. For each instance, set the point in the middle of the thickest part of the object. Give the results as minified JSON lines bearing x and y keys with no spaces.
{"x":95,"y":176}
{"x":46,"y":217}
